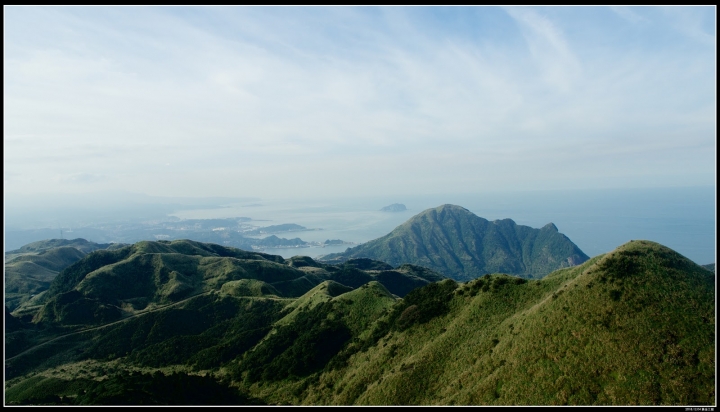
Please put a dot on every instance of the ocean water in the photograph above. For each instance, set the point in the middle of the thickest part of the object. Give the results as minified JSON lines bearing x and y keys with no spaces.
{"x":597,"y":221}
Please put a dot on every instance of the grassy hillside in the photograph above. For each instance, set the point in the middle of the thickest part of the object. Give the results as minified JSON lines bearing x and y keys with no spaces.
{"x":80,"y":244}
{"x":635,"y":326}
{"x":30,"y":269}
{"x":139,"y":282}
{"x":632,"y":327}
{"x":455,"y":242}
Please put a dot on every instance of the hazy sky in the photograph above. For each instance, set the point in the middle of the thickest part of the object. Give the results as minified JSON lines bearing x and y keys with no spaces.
{"x":296,"y":101}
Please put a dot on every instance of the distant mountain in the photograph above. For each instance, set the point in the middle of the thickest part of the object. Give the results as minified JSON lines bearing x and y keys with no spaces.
{"x":332,"y":242}
{"x":30,"y":269}
{"x":710,"y":267}
{"x":274,"y":241}
{"x":285,"y":227}
{"x":635,"y":326}
{"x":82,"y":245}
{"x":457,"y":243}
{"x":110,"y":284}
{"x":395,"y":207}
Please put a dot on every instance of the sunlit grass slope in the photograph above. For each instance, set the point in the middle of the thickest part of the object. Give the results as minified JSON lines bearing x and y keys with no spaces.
{"x":635,"y":326}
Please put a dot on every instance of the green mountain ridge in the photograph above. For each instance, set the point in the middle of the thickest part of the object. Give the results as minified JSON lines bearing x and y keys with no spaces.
{"x":112,"y":284}
{"x":30,"y":269}
{"x":79,"y":244}
{"x":453,"y":241}
{"x":632,"y":327}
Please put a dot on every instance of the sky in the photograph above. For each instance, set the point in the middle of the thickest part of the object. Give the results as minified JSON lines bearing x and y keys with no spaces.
{"x":351,"y":101}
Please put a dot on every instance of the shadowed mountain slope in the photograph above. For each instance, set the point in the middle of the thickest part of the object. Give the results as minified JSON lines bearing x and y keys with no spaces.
{"x":463,"y":246}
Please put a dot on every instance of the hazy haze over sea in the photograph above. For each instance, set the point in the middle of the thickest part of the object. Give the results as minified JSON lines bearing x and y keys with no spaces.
{"x":597,"y":221}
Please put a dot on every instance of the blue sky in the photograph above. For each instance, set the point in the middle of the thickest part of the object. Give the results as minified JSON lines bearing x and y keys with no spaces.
{"x":311,"y":101}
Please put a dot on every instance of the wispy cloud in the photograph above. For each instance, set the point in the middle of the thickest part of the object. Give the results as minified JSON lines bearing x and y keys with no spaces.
{"x":549,"y":48}
{"x":697,"y":23}
{"x":628,"y":14}
{"x":164,"y":99}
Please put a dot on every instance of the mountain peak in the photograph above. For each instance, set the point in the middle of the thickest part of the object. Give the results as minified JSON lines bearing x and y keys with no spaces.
{"x":457,"y":243}
{"x":450,"y":207}
{"x":550,"y":226}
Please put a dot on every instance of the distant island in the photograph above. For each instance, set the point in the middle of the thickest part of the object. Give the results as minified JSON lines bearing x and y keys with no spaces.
{"x":273,"y":241}
{"x":335,"y":242}
{"x":286,"y":227}
{"x":395,"y":207}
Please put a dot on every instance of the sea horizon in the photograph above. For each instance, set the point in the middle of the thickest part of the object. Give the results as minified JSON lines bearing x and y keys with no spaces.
{"x":596,"y":220}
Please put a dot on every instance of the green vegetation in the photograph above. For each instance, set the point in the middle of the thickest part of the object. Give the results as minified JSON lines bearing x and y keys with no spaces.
{"x":30,"y":269}
{"x":297,"y":349}
{"x":81,"y":245}
{"x":451,"y":240}
{"x":632,"y":327}
{"x":129,"y":388}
